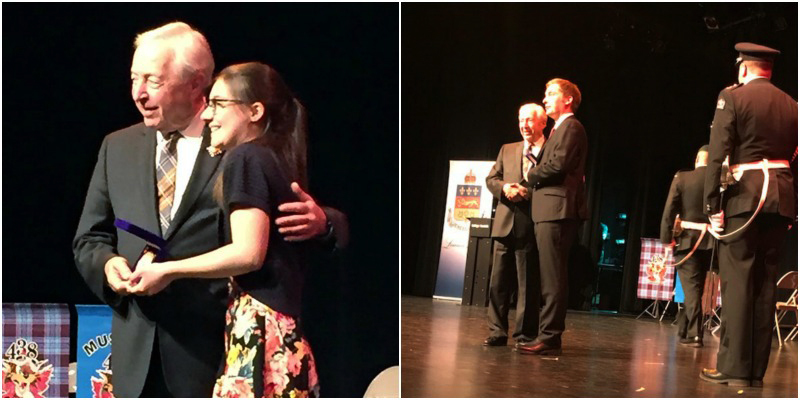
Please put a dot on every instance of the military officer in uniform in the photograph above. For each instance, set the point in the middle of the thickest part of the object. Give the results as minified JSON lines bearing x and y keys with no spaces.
{"x":753,"y":121}
{"x":685,"y":199}
{"x":515,"y":244}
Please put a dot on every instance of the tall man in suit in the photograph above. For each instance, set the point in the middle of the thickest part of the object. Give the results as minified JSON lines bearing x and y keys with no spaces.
{"x":686,"y":199}
{"x":558,"y":205}
{"x":515,"y":246}
{"x":752,"y":122}
{"x":157,"y":174}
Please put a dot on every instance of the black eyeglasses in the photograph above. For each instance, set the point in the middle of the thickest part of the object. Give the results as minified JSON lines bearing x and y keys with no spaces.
{"x":221,"y":103}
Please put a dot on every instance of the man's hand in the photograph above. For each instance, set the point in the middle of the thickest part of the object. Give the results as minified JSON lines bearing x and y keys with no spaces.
{"x":308,"y":220}
{"x":149,"y":278}
{"x":669,"y":248}
{"x":117,"y":274}
{"x":512,"y":191}
{"x":717,"y":221}
{"x":524,"y":192}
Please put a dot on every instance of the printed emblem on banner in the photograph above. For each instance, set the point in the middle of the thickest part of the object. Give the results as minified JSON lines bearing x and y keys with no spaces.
{"x":468,"y":198}
{"x":102,"y":386}
{"x":24,"y":373}
{"x":721,"y":104}
{"x":656,"y":269}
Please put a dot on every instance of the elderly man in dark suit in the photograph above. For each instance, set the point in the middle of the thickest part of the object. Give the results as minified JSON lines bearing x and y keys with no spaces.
{"x":558,"y":205}
{"x":515,"y":246}
{"x":158,"y":174}
{"x":753,"y":121}
{"x":686,"y":200}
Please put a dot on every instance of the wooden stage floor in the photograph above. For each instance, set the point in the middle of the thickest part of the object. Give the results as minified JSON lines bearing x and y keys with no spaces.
{"x":604,"y":356}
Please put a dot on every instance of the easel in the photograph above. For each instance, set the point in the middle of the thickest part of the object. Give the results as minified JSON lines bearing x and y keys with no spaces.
{"x":654,"y":310}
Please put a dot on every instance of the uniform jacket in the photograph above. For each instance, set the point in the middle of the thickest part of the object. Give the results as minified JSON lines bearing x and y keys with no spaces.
{"x":685,"y":198}
{"x":753,"y":122}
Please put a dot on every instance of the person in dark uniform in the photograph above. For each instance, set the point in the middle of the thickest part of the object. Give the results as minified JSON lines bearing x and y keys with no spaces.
{"x":558,"y":205}
{"x":515,"y":245}
{"x":753,"y":121}
{"x":686,"y":200}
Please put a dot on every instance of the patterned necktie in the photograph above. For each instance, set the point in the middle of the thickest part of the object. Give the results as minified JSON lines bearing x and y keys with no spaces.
{"x":165,"y":176}
{"x":527,"y":162}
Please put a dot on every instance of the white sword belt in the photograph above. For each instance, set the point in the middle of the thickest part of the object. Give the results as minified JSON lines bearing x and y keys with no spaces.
{"x":697,"y":226}
{"x":738,"y":169}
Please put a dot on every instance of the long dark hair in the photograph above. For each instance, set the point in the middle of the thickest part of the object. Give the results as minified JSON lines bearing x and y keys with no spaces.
{"x":284,"y":122}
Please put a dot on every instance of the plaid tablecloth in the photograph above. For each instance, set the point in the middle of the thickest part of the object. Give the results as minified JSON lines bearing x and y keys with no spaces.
{"x":37,"y":328}
{"x":654,"y":284}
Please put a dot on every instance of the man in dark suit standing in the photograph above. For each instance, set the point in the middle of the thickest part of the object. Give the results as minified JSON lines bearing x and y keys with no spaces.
{"x":515,"y":246}
{"x":686,"y":199}
{"x":558,"y":205}
{"x":158,"y":175}
{"x":753,"y":121}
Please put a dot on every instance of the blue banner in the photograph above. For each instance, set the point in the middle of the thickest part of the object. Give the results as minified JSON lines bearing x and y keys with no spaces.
{"x":94,"y":352}
{"x":679,"y":297}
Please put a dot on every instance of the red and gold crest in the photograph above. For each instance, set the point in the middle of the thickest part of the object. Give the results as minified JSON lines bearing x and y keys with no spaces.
{"x":468,"y":198}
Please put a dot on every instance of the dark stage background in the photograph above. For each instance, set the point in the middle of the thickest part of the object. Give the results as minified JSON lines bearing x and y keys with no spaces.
{"x":66,"y":85}
{"x":649,"y":75}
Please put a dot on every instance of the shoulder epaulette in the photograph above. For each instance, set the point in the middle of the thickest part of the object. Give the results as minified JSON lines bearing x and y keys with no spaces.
{"x":733,"y":87}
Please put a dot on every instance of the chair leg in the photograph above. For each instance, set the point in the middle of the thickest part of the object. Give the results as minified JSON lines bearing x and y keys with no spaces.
{"x":779,"y":317}
{"x":792,"y":335}
{"x":778,"y":329}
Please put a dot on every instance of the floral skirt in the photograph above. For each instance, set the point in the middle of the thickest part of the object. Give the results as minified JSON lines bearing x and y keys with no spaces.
{"x":266,"y":353}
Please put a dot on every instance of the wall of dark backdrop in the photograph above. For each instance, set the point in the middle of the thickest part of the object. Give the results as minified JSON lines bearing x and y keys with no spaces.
{"x":649,"y":75}
{"x":66,"y":85}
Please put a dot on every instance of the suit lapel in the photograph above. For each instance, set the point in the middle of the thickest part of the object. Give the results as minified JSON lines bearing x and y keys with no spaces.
{"x":204,"y":168}
{"x":147,"y":179}
{"x":516,"y":158}
{"x":554,"y":136}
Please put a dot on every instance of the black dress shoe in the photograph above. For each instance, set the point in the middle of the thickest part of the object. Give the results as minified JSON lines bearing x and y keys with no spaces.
{"x":714,"y":376}
{"x":521,"y":343}
{"x":757,"y":383}
{"x":496,"y":341}
{"x":696,"y":341}
{"x":539,"y":349}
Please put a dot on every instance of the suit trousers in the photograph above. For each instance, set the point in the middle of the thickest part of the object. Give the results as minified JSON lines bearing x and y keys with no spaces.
{"x":692,"y":274}
{"x":748,"y":267}
{"x":554,"y":240}
{"x":516,"y":252}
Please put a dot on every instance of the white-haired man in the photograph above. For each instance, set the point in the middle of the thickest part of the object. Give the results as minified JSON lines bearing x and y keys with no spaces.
{"x":157,"y":174}
{"x":515,"y":244}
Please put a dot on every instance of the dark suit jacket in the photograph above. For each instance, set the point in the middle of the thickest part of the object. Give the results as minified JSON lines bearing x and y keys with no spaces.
{"x":557,"y":180}
{"x":188,"y":316}
{"x":507,"y":169}
{"x":685,"y":198}
{"x":753,"y":122}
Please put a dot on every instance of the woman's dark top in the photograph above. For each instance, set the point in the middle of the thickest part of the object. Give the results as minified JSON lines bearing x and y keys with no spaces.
{"x":254,"y":177}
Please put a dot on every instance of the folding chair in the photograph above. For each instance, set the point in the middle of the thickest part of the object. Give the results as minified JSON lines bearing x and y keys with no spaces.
{"x":789,"y":282}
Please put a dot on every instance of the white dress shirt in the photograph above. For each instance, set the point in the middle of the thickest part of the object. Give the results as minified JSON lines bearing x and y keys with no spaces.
{"x":188,"y":146}
{"x":561,"y":119}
